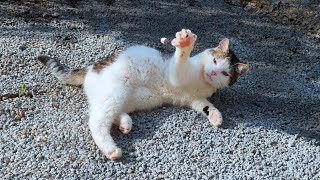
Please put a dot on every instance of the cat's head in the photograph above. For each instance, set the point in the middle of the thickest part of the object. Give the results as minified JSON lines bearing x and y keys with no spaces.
{"x":221,"y":66}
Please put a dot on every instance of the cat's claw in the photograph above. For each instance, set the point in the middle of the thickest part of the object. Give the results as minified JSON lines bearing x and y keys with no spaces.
{"x":184,"y":38}
{"x":114,"y":153}
{"x":215,"y":118}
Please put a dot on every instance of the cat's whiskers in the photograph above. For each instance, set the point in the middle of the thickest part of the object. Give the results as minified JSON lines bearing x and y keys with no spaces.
{"x":219,"y":81}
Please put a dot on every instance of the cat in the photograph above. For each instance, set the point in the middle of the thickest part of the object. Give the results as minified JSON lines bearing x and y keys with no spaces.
{"x":141,"y":78}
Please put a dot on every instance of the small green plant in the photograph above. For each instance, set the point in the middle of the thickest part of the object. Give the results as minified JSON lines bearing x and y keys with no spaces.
{"x":22,"y":89}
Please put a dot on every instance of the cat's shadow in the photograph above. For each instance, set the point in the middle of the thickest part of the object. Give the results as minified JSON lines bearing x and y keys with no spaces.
{"x":248,"y":109}
{"x":292,"y":115}
{"x":145,"y":125}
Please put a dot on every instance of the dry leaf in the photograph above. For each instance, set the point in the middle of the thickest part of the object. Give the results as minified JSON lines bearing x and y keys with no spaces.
{"x":19,"y":115}
{"x":22,"y":134}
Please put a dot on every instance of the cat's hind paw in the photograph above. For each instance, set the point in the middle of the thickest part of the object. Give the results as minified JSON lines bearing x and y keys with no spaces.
{"x":125,"y":125}
{"x":114,"y":153}
{"x":184,"y":38}
{"x":125,"y":129}
{"x":215,"y":118}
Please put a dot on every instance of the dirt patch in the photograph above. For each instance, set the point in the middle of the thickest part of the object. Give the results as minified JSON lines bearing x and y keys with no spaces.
{"x":299,"y":14}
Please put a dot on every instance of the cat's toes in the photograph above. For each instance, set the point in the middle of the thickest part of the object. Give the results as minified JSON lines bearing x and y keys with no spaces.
{"x":184,"y":38}
{"x":125,"y":125}
{"x":125,"y":128}
{"x":114,"y":153}
{"x":215,"y":118}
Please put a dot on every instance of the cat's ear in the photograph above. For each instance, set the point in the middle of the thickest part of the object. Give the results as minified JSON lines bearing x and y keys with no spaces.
{"x":224,"y":45}
{"x":242,"y":68}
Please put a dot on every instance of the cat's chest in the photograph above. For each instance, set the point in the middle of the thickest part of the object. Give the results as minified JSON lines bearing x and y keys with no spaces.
{"x":187,"y":94}
{"x":180,"y":95}
{"x":146,"y":97}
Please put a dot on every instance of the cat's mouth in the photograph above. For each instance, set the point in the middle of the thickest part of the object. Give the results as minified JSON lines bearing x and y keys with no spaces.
{"x":209,"y":76}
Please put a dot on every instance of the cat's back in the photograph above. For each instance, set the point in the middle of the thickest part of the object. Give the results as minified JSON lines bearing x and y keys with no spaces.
{"x":142,"y":55}
{"x":141,"y":62}
{"x":140,"y":51}
{"x":136,"y":65}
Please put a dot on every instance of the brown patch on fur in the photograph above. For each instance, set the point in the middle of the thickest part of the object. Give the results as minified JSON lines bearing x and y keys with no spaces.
{"x":75,"y":77}
{"x":182,"y":54}
{"x":100,"y":65}
{"x":233,"y":77}
{"x":218,"y":53}
{"x":234,"y":63}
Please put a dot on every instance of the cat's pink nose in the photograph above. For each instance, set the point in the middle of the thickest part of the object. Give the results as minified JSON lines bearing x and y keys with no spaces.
{"x":213,"y":73}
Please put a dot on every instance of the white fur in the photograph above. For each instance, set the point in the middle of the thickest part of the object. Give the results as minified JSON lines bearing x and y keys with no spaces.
{"x":141,"y":79}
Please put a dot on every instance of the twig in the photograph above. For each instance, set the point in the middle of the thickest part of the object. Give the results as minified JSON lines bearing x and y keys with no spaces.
{"x":29,"y":94}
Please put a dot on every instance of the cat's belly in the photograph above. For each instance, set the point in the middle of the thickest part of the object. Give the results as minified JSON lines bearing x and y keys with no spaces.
{"x":143,"y":98}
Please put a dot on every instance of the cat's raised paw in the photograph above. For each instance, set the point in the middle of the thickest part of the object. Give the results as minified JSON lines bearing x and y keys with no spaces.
{"x":215,"y":118}
{"x":184,"y":38}
{"x":114,"y":153}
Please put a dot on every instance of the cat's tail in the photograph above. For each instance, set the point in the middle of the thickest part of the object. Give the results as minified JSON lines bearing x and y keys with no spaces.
{"x":63,"y":72}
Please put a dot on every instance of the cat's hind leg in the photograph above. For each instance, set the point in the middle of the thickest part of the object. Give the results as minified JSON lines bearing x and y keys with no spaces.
{"x":100,"y":123}
{"x":124,"y":122}
{"x":104,"y":107}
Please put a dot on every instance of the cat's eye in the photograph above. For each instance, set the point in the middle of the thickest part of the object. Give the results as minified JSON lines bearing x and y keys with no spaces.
{"x":214,"y":61}
{"x":225,"y":73}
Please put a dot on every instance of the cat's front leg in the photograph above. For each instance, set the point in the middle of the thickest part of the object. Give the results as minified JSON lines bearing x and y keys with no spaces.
{"x":207,"y":109}
{"x":180,"y":69}
{"x":184,"y":43}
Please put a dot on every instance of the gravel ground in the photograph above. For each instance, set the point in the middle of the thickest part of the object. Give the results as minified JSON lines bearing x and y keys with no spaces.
{"x":272,"y":117}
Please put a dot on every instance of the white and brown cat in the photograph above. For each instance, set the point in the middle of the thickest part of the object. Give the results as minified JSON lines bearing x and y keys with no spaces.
{"x":142,"y":78}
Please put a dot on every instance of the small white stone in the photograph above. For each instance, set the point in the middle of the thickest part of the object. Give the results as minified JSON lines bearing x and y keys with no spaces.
{"x":37,"y":138}
{"x":164,"y":40}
